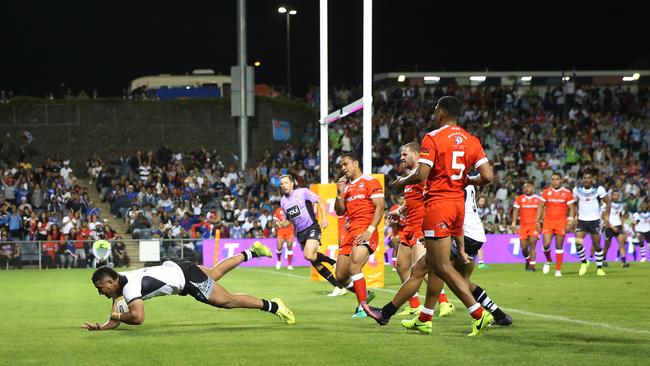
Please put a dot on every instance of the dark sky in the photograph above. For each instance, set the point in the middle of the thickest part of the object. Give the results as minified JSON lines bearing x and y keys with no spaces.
{"x":104,"y":45}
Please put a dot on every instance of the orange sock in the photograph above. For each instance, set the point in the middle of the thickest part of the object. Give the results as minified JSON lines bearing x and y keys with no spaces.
{"x":414,"y":301}
{"x":442,"y":297}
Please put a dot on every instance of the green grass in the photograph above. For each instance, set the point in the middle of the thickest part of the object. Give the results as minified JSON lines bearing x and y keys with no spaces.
{"x":601,"y":321}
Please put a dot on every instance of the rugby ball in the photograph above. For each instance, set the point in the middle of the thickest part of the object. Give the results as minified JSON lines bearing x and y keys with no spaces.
{"x":120,"y":305}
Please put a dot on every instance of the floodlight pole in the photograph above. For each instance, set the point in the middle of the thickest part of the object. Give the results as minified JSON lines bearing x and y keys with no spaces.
{"x":241,"y":48}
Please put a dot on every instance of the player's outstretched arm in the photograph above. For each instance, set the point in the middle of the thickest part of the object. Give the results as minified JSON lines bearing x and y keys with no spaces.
{"x":110,"y":323}
{"x":135,"y":315}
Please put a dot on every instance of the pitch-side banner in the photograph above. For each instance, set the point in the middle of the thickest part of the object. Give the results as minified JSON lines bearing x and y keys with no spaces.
{"x":332,"y":235}
{"x":505,"y":248}
{"x":215,"y":251}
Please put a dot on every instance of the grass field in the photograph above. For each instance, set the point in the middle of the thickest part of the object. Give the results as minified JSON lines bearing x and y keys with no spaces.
{"x":569,"y":320}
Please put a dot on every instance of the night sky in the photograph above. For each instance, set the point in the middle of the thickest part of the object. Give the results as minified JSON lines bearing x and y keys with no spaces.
{"x":103,"y":45}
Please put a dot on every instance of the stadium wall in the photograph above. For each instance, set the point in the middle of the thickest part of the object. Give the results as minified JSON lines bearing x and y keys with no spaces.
{"x":80,"y":128}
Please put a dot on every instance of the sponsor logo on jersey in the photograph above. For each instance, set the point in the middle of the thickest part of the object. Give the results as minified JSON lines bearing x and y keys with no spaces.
{"x":293,"y":212}
{"x":355,"y":197}
{"x":459,"y":140}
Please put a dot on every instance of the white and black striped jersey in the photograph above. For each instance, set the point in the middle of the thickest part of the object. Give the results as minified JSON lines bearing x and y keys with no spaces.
{"x":145,"y":283}
{"x":642,"y":222}
{"x":472,"y":226}
{"x":616,"y":210}
{"x":588,"y":200}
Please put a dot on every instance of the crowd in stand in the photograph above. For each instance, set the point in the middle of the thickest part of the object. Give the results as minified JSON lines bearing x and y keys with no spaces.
{"x":42,"y":205}
{"x":527,"y":133}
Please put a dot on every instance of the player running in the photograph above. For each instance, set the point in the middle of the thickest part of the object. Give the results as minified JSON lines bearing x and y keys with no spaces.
{"x":446,"y":155}
{"x":474,"y":239}
{"x":361,"y":198}
{"x":641,"y":226}
{"x":588,"y":197}
{"x":285,"y":235}
{"x":411,"y":246}
{"x":556,"y":201}
{"x":528,"y":207}
{"x":298,"y":207}
{"x":183,"y":278}
{"x":615,"y":228}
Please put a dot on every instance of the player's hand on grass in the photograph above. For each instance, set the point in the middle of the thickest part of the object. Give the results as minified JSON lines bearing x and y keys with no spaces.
{"x":363,"y":237}
{"x":89,"y":326}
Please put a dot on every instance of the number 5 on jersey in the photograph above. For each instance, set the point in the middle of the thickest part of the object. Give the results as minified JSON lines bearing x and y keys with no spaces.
{"x":457,"y":165}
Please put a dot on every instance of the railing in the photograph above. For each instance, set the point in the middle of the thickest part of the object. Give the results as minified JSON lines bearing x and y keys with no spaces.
{"x":35,"y":251}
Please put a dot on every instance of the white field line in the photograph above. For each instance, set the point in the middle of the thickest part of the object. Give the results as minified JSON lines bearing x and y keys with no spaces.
{"x":511,"y":310}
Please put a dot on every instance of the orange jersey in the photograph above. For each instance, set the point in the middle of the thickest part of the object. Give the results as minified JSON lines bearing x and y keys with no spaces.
{"x":527,"y":206}
{"x":358,"y":197}
{"x":401,"y":223}
{"x":280,"y":216}
{"x":414,"y":195}
{"x":451,"y":152}
{"x":557,"y":202}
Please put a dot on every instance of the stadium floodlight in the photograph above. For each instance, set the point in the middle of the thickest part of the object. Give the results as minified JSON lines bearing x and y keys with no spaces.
{"x":636,"y":76}
{"x":480,"y":78}
{"x":526,"y":78}
{"x":282,"y":10}
{"x":566,"y":78}
{"x":628,"y":78}
{"x":432,"y":78}
{"x":293,"y":12}
{"x":257,"y":64}
{"x":401,"y":78}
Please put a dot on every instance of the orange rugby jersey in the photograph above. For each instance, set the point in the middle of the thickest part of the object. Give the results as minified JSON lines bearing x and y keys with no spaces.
{"x":451,"y":152}
{"x":527,"y":206}
{"x":556,"y":201}
{"x":358,"y":197}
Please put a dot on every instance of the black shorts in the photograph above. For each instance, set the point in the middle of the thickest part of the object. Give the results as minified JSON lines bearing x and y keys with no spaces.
{"x":590,"y":227}
{"x":197,"y":283}
{"x":609,"y":233}
{"x":646,"y":236}
{"x":311,"y":233}
{"x":471,"y":248}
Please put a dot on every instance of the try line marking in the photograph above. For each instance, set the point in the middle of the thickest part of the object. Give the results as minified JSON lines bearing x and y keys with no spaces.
{"x":556,"y":318}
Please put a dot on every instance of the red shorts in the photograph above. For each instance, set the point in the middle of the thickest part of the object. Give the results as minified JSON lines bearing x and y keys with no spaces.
{"x":443,"y":218}
{"x":285,"y":235}
{"x":527,"y":231}
{"x":411,"y":235}
{"x":348,"y":240}
{"x":554,"y":227}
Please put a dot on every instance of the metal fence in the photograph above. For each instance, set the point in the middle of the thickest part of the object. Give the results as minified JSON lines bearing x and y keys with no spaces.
{"x":47,"y":253}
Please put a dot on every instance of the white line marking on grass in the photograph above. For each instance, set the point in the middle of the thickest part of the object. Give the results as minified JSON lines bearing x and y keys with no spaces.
{"x":512,"y":310}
